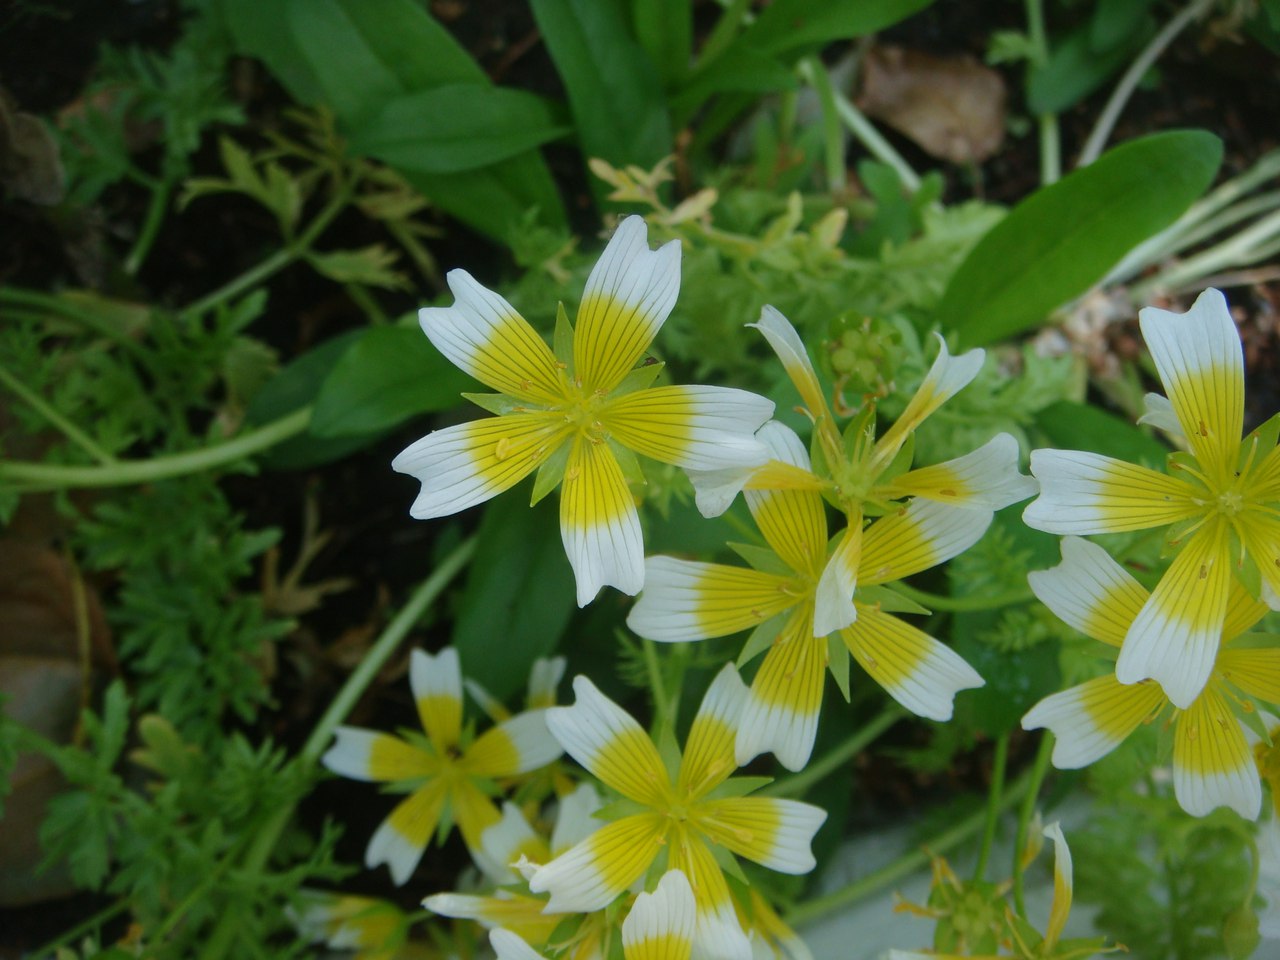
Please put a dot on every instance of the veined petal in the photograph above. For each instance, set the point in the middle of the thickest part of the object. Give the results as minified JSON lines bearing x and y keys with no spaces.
{"x":1090,"y":591}
{"x":376,"y":757}
{"x":987,"y":478}
{"x":1092,"y":719}
{"x":436,"y":682}
{"x":517,"y":745}
{"x":714,"y":490}
{"x":718,"y":933}
{"x":793,"y":522}
{"x":599,"y":523}
{"x":920,"y":536}
{"x":661,"y":924}
{"x":485,"y":336}
{"x":504,"y":909}
{"x":1255,"y":671}
{"x":915,"y":669}
{"x":629,"y":294}
{"x":404,"y":835}
{"x":775,"y":833}
{"x":833,"y":607}
{"x":709,"y":752}
{"x":1062,"y":885}
{"x":1260,"y":532}
{"x":574,"y":818}
{"x":1212,"y":763}
{"x":781,"y":712}
{"x":606,"y":740}
{"x":1264,"y":481}
{"x":589,"y":875}
{"x":1201,"y":364}
{"x":786,"y":343}
{"x":1159,"y":414}
{"x":1243,"y":611}
{"x":694,"y":427}
{"x":947,"y":377}
{"x":686,"y":600}
{"x":544,"y":677}
{"x":505,"y":842}
{"x":474,"y":813}
{"x":510,"y":946}
{"x":1085,"y":493}
{"x":467,"y":464}
{"x":1174,"y":639}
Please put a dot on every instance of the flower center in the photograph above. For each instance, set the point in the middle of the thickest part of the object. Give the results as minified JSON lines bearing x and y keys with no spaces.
{"x":1230,"y":502}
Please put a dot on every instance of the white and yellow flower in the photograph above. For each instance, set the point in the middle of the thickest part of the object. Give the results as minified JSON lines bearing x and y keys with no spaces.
{"x":686,"y":600}
{"x":1213,"y":765}
{"x":372,"y":929}
{"x":445,"y":774}
{"x":573,"y":416}
{"x":1223,"y":499}
{"x":681,"y":819}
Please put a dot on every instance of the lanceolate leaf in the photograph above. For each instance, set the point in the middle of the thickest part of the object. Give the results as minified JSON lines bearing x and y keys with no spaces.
{"x":1062,"y":239}
{"x":791,"y":25}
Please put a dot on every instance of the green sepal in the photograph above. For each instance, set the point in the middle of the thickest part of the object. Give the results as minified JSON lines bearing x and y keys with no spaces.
{"x":550,"y":473}
{"x":1247,"y":571}
{"x":901,"y":461}
{"x":567,"y":928}
{"x":838,"y":663}
{"x":1266,"y":436}
{"x":762,"y":637}
{"x":761,"y":558}
{"x":628,"y":462}
{"x":615,"y":951}
{"x":860,"y":433}
{"x":1250,"y":717}
{"x":499,"y":404}
{"x":1177,"y":460}
{"x":728,"y":863}
{"x":445,"y":826}
{"x":1256,"y":640}
{"x":889,"y":600}
{"x":668,"y":748}
{"x":562,"y":341}
{"x":640,"y":378}
{"x":738,"y":787}
{"x":619,"y":809}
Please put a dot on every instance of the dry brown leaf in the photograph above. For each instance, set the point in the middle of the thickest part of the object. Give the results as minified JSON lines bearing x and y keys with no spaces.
{"x":953,"y":107}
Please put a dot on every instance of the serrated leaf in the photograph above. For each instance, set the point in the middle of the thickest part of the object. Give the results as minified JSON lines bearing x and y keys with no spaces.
{"x":1065,"y":237}
{"x":369,"y":266}
{"x":389,"y":375}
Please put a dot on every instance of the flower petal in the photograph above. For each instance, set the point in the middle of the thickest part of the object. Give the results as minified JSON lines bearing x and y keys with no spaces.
{"x":718,"y":933}
{"x":517,"y":745}
{"x":1159,"y":414}
{"x":1062,"y":885}
{"x":589,"y":875}
{"x":629,"y":294}
{"x":833,"y":607}
{"x":709,"y":751}
{"x":436,"y":682}
{"x":1260,"y":531}
{"x":1174,"y":639}
{"x":917,"y":537}
{"x":686,"y":600}
{"x":509,"y":946}
{"x":1092,"y":719}
{"x":505,"y":842}
{"x":404,"y":835}
{"x":504,"y":909}
{"x":599,"y":523}
{"x":1256,"y":671}
{"x":474,"y":813}
{"x":467,"y":464}
{"x":606,"y":740}
{"x":1201,"y":364}
{"x":661,"y":924}
{"x":1212,"y":763}
{"x":987,"y":478}
{"x":1085,"y":493}
{"x":694,"y":427}
{"x":377,"y":757}
{"x":915,"y":669}
{"x":574,"y":818}
{"x":947,"y":377}
{"x":1090,"y":591}
{"x":775,"y":833}
{"x":544,"y":677}
{"x":786,"y":343}
{"x":485,"y":336}
{"x":793,"y":522}
{"x":781,"y":712}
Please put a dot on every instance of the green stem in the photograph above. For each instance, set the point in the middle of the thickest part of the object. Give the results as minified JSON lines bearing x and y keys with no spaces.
{"x":993,"y":804}
{"x":97,"y":920}
{"x":46,"y":304}
{"x":69,"y":429}
{"x":661,"y":705}
{"x":905,"y":865}
{"x":156,"y":210}
{"x":722,"y":34}
{"x":796,"y":784}
{"x":1050,"y":145}
{"x":50,"y":476}
{"x":1129,"y":82}
{"x":876,"y":145}
{"x":259,"y":851}
{"x":833,"y":141}
{"x":937,"y":601}
{"x":1035,"y":781}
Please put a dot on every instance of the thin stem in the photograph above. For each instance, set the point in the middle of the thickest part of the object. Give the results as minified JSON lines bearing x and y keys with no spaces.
{"x":156,"y":210}
{"x":1129,"y":81}
{"x":50,"y":476}
{"x":259,"y":851}
{"x":722,"y":34}
{"x":657,"y":686}
{"x":993,"y":804}
{"x":796,"y":784}
{"x":1241,"y":249}
{"x":833,"y":141}
{"x":69,"y":429}
{"x":1035,"y":780}
{"x":905,"y":865}
{"x":937,"y":601}
{"x":46,"y":303}
{"x":1050,"y":143}
{"x":92,"y":923}
{"x":876,"y":145}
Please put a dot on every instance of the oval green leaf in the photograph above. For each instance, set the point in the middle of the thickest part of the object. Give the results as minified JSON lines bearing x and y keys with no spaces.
{"x":1064,"y":238}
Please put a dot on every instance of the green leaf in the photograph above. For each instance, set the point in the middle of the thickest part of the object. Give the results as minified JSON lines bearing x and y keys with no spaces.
{"x":388,"y":375}
{"x":789,"y":26}
{"x":761,"y":558}
{"x":1076,"y":68}
{"x":1062,"y":239}
{"x":614,"y":90}
{"x":519,"y":594}
{"x":665,"y":31}
{"x":458,"y":127}
{"x":1080,"y":426}
{"x":550,"y":473}
{"x":369,"y":266}
{"x":738,"y":787}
